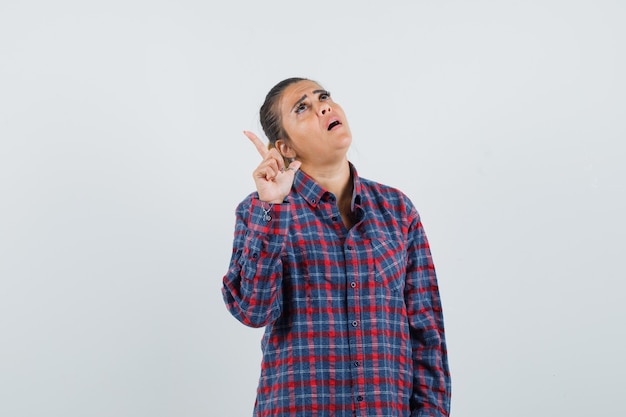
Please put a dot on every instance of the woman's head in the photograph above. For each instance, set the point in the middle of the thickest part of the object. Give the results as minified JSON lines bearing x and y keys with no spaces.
{"x":301,"y":120}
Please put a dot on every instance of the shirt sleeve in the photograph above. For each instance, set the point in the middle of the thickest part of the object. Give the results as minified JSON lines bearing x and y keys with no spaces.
{"x":252,"y":285}
{"x":431,"y":375}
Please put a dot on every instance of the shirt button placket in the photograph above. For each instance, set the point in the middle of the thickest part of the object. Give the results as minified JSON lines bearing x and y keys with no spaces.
{"x":354,"y":325}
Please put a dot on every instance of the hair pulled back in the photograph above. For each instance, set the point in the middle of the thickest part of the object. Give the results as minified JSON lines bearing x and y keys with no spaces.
{"x":271,"y":121}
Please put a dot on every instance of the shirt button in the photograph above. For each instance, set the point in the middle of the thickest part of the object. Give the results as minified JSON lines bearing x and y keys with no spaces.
{"x":349,"y":247}
{"x":334,"y":218}
{"x":353,"y":284}
{"x":357,"y":363}
{"x":313,"y":201}
{"x":355,"y":323}
{"x":359,"y":398}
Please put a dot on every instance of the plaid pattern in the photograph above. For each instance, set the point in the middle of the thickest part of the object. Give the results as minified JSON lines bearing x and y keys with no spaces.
{"x":353,"y":318}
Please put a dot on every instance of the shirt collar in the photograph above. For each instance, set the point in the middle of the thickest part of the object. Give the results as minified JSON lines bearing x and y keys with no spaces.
{"x":313,"y":193}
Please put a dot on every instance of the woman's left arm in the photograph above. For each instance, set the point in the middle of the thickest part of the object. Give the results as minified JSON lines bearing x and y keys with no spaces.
{"x":431,"y":375}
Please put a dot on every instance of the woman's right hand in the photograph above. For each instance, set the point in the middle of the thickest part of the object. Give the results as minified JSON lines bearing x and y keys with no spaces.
{"x":273,"y":180}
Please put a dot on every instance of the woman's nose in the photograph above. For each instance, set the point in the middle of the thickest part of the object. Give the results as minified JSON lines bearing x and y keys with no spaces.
{"x":324,"y":108}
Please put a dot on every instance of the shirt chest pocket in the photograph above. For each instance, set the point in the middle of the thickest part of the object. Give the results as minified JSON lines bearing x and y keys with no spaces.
{"x":389,"y":255}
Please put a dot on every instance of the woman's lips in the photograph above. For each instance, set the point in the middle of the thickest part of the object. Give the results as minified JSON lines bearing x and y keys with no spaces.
{"x":333,"y":123}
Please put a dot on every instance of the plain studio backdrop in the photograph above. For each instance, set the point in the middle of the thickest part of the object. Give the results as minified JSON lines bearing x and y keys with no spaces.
{"x":122,"y":160}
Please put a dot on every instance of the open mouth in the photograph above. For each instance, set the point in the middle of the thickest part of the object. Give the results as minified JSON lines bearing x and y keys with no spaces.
{"x":333,"y":124}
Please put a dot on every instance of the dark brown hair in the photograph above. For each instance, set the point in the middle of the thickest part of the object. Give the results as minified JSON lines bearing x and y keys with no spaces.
{"x":271,"y":121}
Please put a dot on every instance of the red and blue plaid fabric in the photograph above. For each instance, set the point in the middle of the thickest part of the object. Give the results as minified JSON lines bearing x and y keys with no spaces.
{"x":353,"y":318}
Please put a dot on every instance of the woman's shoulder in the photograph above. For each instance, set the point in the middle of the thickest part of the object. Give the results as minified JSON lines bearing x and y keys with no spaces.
{"x":385,"y":193}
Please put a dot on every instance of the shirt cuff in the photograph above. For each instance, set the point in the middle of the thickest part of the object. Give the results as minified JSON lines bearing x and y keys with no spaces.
{"x":269,"y":218}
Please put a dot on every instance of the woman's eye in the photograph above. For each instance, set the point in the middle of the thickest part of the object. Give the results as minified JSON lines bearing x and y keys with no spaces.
{"x":301,"y":107}
{"x":324,"y":96}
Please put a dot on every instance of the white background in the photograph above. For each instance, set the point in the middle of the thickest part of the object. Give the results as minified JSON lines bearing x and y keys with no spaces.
{"x":122,"y":160}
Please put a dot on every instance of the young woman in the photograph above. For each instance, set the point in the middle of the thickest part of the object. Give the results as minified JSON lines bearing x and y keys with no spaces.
{"x":339,"y":270}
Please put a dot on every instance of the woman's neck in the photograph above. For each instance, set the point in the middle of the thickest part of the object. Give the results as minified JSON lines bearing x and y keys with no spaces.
{"x":336,"y":179}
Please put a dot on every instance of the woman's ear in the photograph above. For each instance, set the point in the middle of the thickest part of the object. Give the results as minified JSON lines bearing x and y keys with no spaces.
{"x":285,"y":150}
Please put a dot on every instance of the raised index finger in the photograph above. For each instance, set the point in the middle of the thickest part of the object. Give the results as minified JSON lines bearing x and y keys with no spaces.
{"x":260,"y":146}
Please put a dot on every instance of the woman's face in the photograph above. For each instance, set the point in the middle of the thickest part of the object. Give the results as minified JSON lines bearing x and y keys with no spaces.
{"x":317,"y":126}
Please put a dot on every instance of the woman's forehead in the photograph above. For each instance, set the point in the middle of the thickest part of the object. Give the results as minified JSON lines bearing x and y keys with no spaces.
{"x":296,"y":91}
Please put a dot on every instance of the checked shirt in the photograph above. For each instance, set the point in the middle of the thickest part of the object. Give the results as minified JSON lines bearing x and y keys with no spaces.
{"x":353,"y":318}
